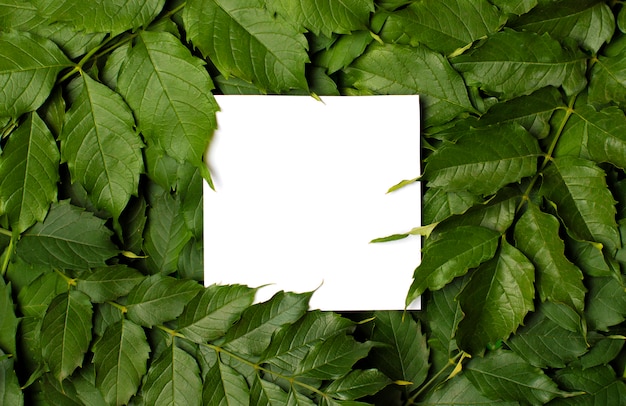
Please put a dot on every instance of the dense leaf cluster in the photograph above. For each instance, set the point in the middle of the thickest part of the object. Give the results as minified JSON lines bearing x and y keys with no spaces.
{"x":106,"y":109}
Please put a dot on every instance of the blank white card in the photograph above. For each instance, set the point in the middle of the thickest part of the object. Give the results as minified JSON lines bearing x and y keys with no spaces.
{"x":301,"y":190}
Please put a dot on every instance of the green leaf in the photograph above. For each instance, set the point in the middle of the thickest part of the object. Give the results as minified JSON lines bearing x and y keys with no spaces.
{"x":113,"y":17}
{"x":267,"y":393}
{"x":443,"y":316}
{"x":173,"y":379}
{"x":603,"y":350}
{"x":515,"y":6}
{"x":109,"y":283}
{"x":343,"y":51}
{"x":405,"y":354}
{"x":490,"y":159}
{"x":8,"y":320}
{"x":606,"y":303}
{"x":496,"y":299}
{"x":438,"y":204}
{"x":159,"y":298}
{"x":558,"y":280}
{"x":35,"y":298}
{"x":253,"y":333}
{"x":66,"y":333}
{"x":443,"y":27}
{"x":213,"y":311}
{"x":120,"y":357}
{"x":100,"y":145}
{"x":357,"y":384}
{"x":510,"y":64}
{"x":26,"y":59}
{"x":545,"y":344}
{"x":69,"y":237}
{"x":589,"y":22}
{"x":165,"y":236}
{"x":444,"y":259}
{"x":608,"y":76}
{"x":397,"y":69}
{"x":223,"y":386}
{"x":254,"y":45}
{"x":504,"y":375}
{"x":10,"y":391}
{"x":460,"y":391}
{"x":599,"y":384}
{"x":157,"y":80}
{"x":29,"y":166}
{"x":583,"y":201}
{"x":325,"y":16}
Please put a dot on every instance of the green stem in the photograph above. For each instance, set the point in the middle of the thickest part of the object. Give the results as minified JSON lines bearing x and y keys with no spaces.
{"x":70,"y":281}
{"x":118,"y":306}
{"x":8,"y":253}
{"x":6,"y":232}
{"x":8,"y":129}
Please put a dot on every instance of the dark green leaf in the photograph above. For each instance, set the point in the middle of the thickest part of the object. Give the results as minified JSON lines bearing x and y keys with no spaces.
{"x":66,"y":332}
{"x":159,"y":298}
{"x":343,"y":51}
{"x":459,"y":392}
{"x":213,"y":311}
{"x":590,"y":22}
{"x":578,"y":189}
{"x":26,"y":59}
{"x":604,"y":349}
{"x":490,"y":159}
{"x":165,"y":236}
{"x":109,"y":16}
{"x":254,"y":45}
{"x":8,"y":320}
{"x":442,"y":26}
{"x":120,"y":357}
{"x":357,"y":384}
{"x":405,"y":355}
{"x":253,"y":333}
{"x":84,"y":381}
{"x":225,"y":386}
{"x":504,"y":375}
{"x":511,"y":64}
{"x":606,"y":303}
{"x":69,"y":237}
{"x":100,"y":145}
{"x":558,"y":280}
{"x":600,"y":385}
{"x":10,"y":391}
{"x":515,"y":6}
{"x":133,"y":222}
{"x":267,"y":393}
{"x":191,"y":261}
{"x":157,"y":80}
{"x":397,"y":69}
{"x":496,"y":299}
{"x":444,"y":259}
{"x":608,"y":75}
{"x":325,"y":16}
{"x":173,"y":379}
{"x":443,"y":316}
{"x":35,"y":298}
{"x":29,"y":166}
{"x":109,"y":283}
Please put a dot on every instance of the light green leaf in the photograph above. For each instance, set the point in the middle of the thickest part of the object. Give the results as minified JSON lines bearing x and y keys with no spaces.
{"x":404,"y":356}
{"x":253,"y":45}
{"x":158,"y":79}
{"x":442,"y":26}
{"x":113,"y":17}
{"x":108,"y":283}
{"x":159,"y":298}
{"x":120,"y":357}
{"x":100,"y":145}
{"x":583,"y":201}
{"x":8,"y":320}
{"x":10,"y":391}
{"x":515,"y":6}
{"x":173,"y":379}
{"x":357,"y":384}
{"x":558,"y":280}
{"x":444,"y":259}
{"x":343,"y":51}
{"x":253,"y":333}
{"x":29,"y":166}
{"x":223,"y":386}
{"x":589,"y":22}
{"x":504,"y":375}
{"x":66,"y":332}
{"x":69,"y":238}
{"x":545,"y":344}
{"x":496,"y":299}
{"x":35,"y":298}
{"x":483,"y":161}
{"x":439,"y":204}
{"x":295,"y":398}
{"x":26,"y":59}
{"x":459,"y":391}
{"x":213,"y":311}
{"x":606,"y":303}
{"x":165,"y":236}
{"x":599,"y":384}
{"x":510,"y":64}
{"x":325,"y":16}
{"x":397,"y":69}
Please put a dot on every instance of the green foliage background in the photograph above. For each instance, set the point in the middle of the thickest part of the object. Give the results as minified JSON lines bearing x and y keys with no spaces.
{"x":106,"y":108}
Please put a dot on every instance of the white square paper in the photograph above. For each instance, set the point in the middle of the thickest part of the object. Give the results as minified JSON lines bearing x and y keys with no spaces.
{"x":301,"y":190}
